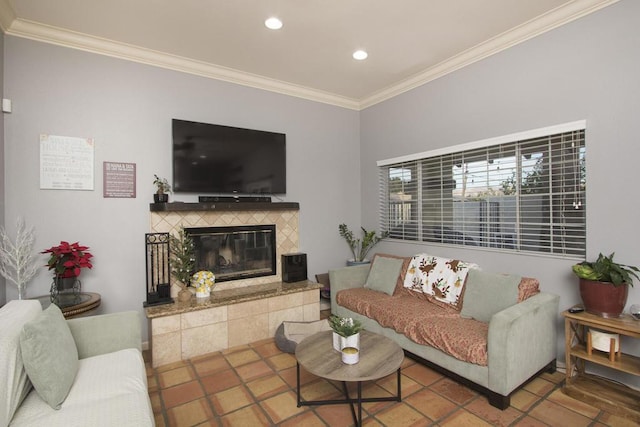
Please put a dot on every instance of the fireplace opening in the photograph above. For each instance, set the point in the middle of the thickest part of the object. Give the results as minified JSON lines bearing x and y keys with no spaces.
{"x":237,"y":252}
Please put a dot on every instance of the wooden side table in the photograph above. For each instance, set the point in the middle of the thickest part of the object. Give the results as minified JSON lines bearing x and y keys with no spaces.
{"x":72,"y":304}
{"x":597,"y":391}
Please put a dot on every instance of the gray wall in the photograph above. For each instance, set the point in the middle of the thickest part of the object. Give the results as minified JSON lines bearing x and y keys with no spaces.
{"x":3,"y":296}
{"x":589,"y":69}
{"x":128,"y":107}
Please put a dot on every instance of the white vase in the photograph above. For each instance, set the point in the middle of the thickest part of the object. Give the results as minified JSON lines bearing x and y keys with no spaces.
{"x":336,"y":342}
{"x":350,"y":341}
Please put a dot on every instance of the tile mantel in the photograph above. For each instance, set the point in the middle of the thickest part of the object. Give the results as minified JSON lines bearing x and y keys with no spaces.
{"x":223,"y":207}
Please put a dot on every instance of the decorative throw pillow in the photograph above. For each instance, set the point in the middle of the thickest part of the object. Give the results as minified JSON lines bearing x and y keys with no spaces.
{"x":49,"y":355}
{"x":383,"y":274}
{"x":403,"y":270}
{"x":488,"y":293}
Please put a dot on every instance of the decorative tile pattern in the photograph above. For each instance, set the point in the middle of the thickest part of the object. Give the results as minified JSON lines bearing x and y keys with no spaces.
{"x":287,"y":232}
{"x":255,"y":385}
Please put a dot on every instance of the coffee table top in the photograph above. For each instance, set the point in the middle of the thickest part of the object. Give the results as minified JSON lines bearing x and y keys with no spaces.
{"x":379,"y":357}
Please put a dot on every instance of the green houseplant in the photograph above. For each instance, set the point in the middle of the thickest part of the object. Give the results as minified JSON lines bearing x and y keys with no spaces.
{"x":182,"y":261}
{"x":67,"y":260}
{"x":604,"y":285}
{"x":162,"y":189}
{"x":360,"y":247}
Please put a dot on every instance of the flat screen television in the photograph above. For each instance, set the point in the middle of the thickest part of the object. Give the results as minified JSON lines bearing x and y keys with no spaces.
{"x":218,"y":159}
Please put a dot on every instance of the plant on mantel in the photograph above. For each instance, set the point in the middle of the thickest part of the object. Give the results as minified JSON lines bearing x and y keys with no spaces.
{"x":162,"y":189}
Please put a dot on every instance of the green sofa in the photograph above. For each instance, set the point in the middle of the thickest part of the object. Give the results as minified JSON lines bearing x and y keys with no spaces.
{"x":79,"y":372}
{"x":520,"y":343}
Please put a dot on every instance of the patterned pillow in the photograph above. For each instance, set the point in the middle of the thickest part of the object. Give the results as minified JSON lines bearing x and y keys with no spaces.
{"x":440,"y":279}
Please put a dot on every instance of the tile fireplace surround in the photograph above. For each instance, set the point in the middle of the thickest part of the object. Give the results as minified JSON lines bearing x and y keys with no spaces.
{"x":239,"y":311}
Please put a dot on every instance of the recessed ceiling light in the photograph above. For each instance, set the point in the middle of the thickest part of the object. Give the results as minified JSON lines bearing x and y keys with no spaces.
{"x":360,"y":55}
{"x":273,"y":23}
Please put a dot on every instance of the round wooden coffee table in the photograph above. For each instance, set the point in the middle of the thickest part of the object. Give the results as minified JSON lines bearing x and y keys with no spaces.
{"x":379,"y":357}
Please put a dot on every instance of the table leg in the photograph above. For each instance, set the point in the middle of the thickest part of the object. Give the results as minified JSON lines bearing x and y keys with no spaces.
{"x":359,"y":403}
{"x":348,"y":400}
{"x":298,"y":382}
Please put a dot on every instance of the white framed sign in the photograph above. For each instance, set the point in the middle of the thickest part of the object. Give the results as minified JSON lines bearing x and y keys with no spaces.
{"x":66,"y":163}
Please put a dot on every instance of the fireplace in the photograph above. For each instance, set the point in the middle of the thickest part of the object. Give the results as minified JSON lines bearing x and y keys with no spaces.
{"x":235,"y":252}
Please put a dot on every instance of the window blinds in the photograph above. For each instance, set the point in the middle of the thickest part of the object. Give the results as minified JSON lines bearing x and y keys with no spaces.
{"x":520,"y":195}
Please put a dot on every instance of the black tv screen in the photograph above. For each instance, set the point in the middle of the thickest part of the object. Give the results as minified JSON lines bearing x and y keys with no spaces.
{"x":219,"y":159}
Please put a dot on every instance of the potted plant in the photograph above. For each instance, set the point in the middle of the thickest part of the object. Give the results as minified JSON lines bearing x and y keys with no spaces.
{"x":67,"y":261}
{"x":604,"y":285}
{"x":360,"y":247}
{"x":162,"y":189}
{"x":182,"y":261}
{"x":346,"y":332}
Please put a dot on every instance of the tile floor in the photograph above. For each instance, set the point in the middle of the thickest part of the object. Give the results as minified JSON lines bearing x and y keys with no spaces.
{"x":255,"y":385}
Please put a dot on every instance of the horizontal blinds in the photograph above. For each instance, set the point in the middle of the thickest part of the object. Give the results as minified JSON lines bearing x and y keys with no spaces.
{"x":525,"y":195}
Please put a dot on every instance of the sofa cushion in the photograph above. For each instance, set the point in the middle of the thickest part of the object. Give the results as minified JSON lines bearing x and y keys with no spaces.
{"x":403,"y":312}
{"x":488,"y":293}
{"x":50,"y":356}
{"x":359,"y":299}
{"x":14,"y":383}
{"x":442,"y":280}
{"x":109,"y":390}
{"x":383,"y":274}
{"x":422,"y":322}
{"x":464,"y":339}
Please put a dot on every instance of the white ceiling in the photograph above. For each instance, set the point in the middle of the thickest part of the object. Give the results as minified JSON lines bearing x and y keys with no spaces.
{"x":409,"y":42}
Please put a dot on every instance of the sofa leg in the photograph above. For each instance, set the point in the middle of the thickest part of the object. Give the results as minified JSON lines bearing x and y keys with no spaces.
{"x":498,"y":401}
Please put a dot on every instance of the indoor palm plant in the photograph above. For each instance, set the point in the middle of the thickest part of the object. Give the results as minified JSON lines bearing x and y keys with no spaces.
{"x":360,"y":247}
{"x":604,"y":285}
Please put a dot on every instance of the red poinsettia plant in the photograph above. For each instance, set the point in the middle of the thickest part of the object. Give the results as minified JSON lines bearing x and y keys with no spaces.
{"x":67,"y":259}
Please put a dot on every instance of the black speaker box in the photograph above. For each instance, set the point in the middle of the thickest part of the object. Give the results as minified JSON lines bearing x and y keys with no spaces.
{"x":294,"y":267}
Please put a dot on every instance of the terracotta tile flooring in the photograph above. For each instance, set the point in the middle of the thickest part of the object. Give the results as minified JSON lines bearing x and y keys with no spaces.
{"x":255,"y":385}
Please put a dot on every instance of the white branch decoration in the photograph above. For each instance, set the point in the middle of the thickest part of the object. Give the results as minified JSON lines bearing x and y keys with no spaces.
{"x":17,"y":260}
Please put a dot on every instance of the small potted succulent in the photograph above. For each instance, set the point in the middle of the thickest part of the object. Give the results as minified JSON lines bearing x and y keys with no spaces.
{"x":162,"y":189}
{"x":604,"y":285}
{"x":360,"y":247}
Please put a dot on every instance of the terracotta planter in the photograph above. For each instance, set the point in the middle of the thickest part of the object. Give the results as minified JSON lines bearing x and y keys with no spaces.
{"x":602,"y":298}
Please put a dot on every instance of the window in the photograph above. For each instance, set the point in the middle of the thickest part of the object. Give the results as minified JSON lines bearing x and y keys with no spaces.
{"x":522,"y":192}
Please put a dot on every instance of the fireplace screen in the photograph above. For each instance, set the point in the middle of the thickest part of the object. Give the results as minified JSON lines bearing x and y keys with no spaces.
{"x":233,"y":253}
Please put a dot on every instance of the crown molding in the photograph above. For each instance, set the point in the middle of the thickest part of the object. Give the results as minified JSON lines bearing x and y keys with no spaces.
{"x":57,"y":36}
{"x":7,"y":15}
{"x":48,"y":34}
{"x":547,"y":22}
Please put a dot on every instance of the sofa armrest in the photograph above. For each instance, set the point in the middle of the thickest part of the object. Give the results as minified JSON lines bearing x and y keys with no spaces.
{"x":106,"y":333}
{"x":346,"y":278}
{"x":522,"y":341}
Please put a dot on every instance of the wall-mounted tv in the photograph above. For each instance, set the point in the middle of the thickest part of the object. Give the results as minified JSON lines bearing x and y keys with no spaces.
{"x":217,"y":159}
